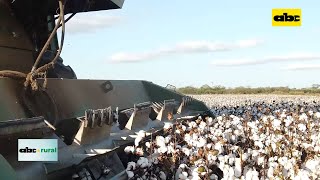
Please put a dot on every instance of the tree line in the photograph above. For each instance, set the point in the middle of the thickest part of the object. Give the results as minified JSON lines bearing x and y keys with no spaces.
{"x":206,"y":89}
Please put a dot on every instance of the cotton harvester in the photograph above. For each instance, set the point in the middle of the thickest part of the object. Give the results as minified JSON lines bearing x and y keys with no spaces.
{"x":41,"y":98}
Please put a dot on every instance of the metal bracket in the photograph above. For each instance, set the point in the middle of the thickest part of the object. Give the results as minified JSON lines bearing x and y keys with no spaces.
{"x":94,"y":118}
{"x":18,"y":126}
{"x":185,"y":101}
{"x":95,"y":125}
{"x":140,"y":116}
{"x":167,"y":109}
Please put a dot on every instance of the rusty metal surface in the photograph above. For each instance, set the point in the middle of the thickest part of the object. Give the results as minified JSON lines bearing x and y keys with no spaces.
{"x":81,"y":114}
{"x":10,"y":101}
{"x":15,"y":46}
{"x":73,"y":97}
{"x":11,"y":127}
{"x":12,"y":33}
{"x":72,"y":5}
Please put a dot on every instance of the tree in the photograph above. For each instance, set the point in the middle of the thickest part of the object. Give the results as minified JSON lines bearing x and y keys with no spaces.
{"x":315,"y":86}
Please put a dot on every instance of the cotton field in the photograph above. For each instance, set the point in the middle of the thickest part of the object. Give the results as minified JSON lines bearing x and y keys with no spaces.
{"x":248,"y":137}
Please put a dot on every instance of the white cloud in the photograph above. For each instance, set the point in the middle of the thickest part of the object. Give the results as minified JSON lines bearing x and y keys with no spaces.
{"x":298,"y":67}
{"x":271,"y":59}
{"x":90,"y":23}
{"x":184,"y":48}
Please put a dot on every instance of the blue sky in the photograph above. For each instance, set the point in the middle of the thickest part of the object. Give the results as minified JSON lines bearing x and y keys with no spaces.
{"x":230,"y":43}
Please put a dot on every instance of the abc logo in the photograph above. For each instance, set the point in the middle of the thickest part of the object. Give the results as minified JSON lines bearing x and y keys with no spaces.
{"x":286,"y":17}
{"x":28,"y":150}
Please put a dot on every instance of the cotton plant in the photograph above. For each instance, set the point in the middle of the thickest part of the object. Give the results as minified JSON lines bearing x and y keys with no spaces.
{"x":258,"y":140}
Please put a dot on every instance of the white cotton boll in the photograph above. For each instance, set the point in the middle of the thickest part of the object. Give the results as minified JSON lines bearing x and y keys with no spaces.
{"x":276,"y":124}
{"x":139,"y":151}
{"x":288,"y":165}
{"x":183,"y":175}
{"x":170,"y":149}
{"x":282,"y":160}
{"x":236,"y":121}
{"x":187,"y":137}
{"x":283,"y":115}
{"x":129,"y":149}
{"x":137,"y":141}
{"x":143,"y":162}
{"x":167,"y":126}
{"x":312,"y":165}
{"x":317,"y":114}
{"x":245,"y":156}
{"x":162,"y":175}
{"x":213,"y":177}
{"x":255,"y":175}
{"x":231,"y":161}
{"x":160,"y":141}
{"x":186,"y":151}
{"x":162,"y":149}
{"x":255,"y":137}
{"x":131,"y":166}
{"x":255,"y":153}
{"x":272,"y":118}
{"x":288,"y":121}
{"x":226,"y":136}
{"x":192,"y":124}
{"x":265,"y":119}
{"x":218,"y":147}
{"x":183,"y":166}
{"x":259,"y":144}
{"x":306,"y":145}
{"x":210,"y":121}
{"x":237,"y":168}
{"x":225,"y":171}
{"x":233,"y":138}
{"x":155,"y":161}
{"x":211,"y":158}
{"x":296,"y":153}
{"x":177,"y":131}
{"x":236,"y":132}
{"x":227,"y":124}
{"x":303,"y":174}
{"x":273,"y":146}
{"x":202,"y":142}
{"x":195,"y":137}
{"x":302,"y":127}
{"x":260,"y":160}
{"x":183,"y":127}
{"x":148,"y":144}
{"x":221,"y":165}
{"x":249,"y":175}
{"x":303,"y":116}
{"x":202,"y":125}
{"x":270,"y":173}
{"x":130,"y":174}
{"x":219,"y":118}
{"x":141,"y":133}
{"x":144,"y":177}
{"x":167,"y":139}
